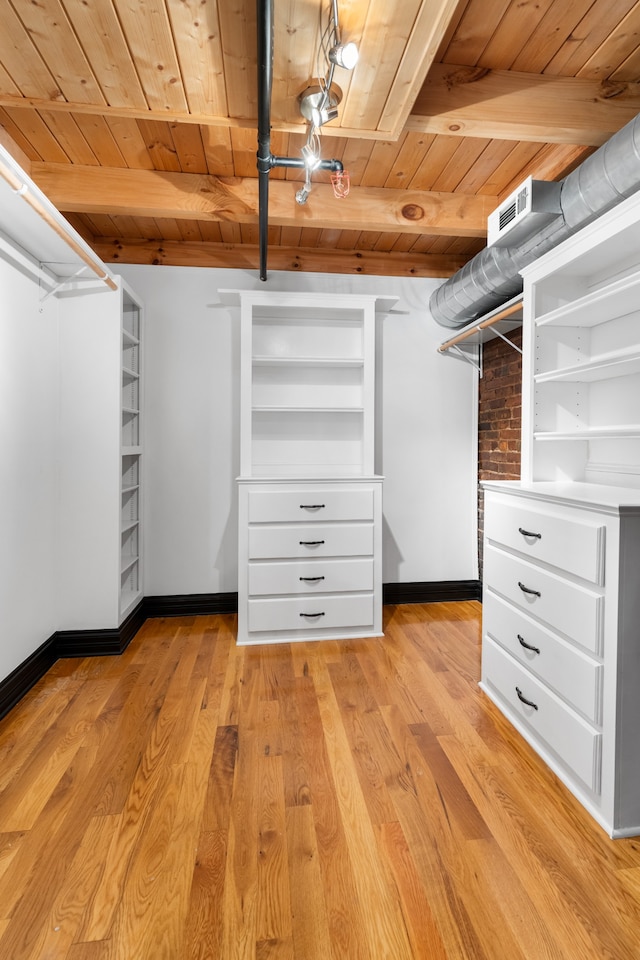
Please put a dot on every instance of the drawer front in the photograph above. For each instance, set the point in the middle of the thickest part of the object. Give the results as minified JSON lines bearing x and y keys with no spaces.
{"x":566,"y":607}
{"x":574,"y":675}
{"x":313,"y":540}
{"x":571,"y":543}
{"x":573,"y":739}
{"x":309,"y":613}
{"x":281,"y":506}
{"x":313,"y":576}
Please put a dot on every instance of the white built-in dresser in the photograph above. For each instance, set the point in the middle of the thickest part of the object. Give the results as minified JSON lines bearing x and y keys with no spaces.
{"x":561,"y":595}
{"x":310,"y":503}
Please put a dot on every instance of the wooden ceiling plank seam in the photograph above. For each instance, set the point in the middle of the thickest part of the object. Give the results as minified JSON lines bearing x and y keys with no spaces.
{"x":52,"y":33}
{"x":239,"y":44}
{"x":435,"y":161}
{"x":511,"y":35}
{"x":381,"y":161}
{"x":210,"y":232}
{"x":98,"y":135}
{"x":40,"y":137}
{"x":6,"y":83}
{"x":615,"y":49}
{"x":417,"y":58}
{"x":103,"y":42}
{"x":512,"y":105}
{"x":552,"y":31}
{"x":510,"y":170}
{"x":11,"y":145}
{"x":230,"y":232}
{"x":69,"y":136}
{"x":19,"y":146}
{"x":244,"y":147}
{"x":190,"y":231}
{"x":408,"y":160}
{"x":477,"y":25}
{"x":148,"y":228}
{"x":149,"y":39}
{"x":469,"y":150}
{"x":490,"y":159}
{"x":197,"y":39}
{"x":551,"y":162}
{"x":160,"y":145}
{"x":130,"y":141}
{"x":101,"y":224}
{"x":169,"y":229}
{"x":592,"y":31}
{"x":189,"y":148}
{"x":23,"y":62}
{"x":628,"y":68}
{"x":216,"y":143}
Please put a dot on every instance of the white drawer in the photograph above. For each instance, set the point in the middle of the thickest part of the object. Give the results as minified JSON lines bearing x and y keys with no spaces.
{"x":313,"y":576}
{"x":567,"y":607}
{"x":317,"y":540}
{"x":318,"y":504}
{"x":573,"y":674}
{"x":573,"y":739}
{"x":310,"y":613}
{"x":571,"y":543}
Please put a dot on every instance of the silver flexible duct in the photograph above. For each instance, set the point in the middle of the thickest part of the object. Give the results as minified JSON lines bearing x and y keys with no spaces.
{"x":492,"y":277}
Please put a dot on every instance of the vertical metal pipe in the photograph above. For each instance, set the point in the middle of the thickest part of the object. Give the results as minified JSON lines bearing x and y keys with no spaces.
{"x":265,"y":83}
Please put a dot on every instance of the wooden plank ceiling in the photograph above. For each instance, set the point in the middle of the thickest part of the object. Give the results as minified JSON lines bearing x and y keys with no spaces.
{"x":138,"y":120}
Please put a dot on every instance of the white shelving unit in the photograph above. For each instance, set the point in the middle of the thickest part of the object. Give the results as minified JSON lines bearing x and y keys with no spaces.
{"x":310,"y":504}
{"x":561,"y":602}
{"x":130,"y":454}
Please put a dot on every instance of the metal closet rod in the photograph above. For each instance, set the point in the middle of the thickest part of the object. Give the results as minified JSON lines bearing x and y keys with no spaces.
{"x":25,"y":189}
{"x":488,"y":322}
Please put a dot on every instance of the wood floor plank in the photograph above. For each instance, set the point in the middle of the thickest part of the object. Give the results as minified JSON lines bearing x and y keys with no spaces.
{"x":356,"y":800}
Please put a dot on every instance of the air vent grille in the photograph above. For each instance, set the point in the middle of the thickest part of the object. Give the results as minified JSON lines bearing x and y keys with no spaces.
{"x":533,"y":204}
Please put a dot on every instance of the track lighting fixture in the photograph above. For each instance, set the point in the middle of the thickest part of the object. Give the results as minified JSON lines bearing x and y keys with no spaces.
{"x":344,"y":55}
{"x":319,"y":101}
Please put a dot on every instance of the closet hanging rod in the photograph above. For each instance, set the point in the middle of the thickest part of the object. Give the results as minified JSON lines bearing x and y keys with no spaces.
{"x":490,"y":321}
{"x":21,"y":185}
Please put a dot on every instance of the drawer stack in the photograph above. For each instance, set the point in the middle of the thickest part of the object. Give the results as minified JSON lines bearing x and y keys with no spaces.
{"x":543,"y":628}
{"x":312,"y":553}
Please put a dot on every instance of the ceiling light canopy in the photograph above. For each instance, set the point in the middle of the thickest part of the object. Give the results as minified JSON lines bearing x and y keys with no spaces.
{"x":319,"y":104}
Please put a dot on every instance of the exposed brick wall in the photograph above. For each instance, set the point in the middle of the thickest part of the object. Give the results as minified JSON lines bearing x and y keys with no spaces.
{"x":499,"y":417}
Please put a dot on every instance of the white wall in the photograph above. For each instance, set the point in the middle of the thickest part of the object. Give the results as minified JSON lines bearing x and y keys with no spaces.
{"x":426,"y":430}
{"x":28,"y":478}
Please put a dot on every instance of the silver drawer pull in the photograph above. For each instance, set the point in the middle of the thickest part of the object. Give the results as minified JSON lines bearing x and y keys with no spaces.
{"x":311,"y":506}
{"x":535,"y":593}
{"x":528,"y":533}
{"x":527,"y":646}
{"x":312,"y":616}
{"x":310,"y":543}
{"x":529,"y":703}
{"x":311,"y":579}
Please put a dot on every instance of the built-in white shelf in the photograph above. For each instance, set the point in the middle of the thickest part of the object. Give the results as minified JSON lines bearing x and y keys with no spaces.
{"x":130,"y":339}
{"x":610,"y":432}
{"x":329,"y":362}
{"x":608,"y":302}
{"x":623,"y":364}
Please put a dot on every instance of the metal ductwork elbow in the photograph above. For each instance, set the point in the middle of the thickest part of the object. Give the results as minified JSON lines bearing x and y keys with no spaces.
{"x":492,"y":277}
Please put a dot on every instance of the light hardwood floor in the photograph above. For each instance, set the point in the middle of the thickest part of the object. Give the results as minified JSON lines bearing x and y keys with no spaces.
{"x":316,"y":801}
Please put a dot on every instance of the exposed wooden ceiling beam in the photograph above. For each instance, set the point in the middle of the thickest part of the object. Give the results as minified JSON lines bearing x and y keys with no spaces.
{"x":147,"y":193}
{"x":507,"y":105}
{"x":307,"y":260}
{"x":454,"y":101}
{"x":429,"y":28}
